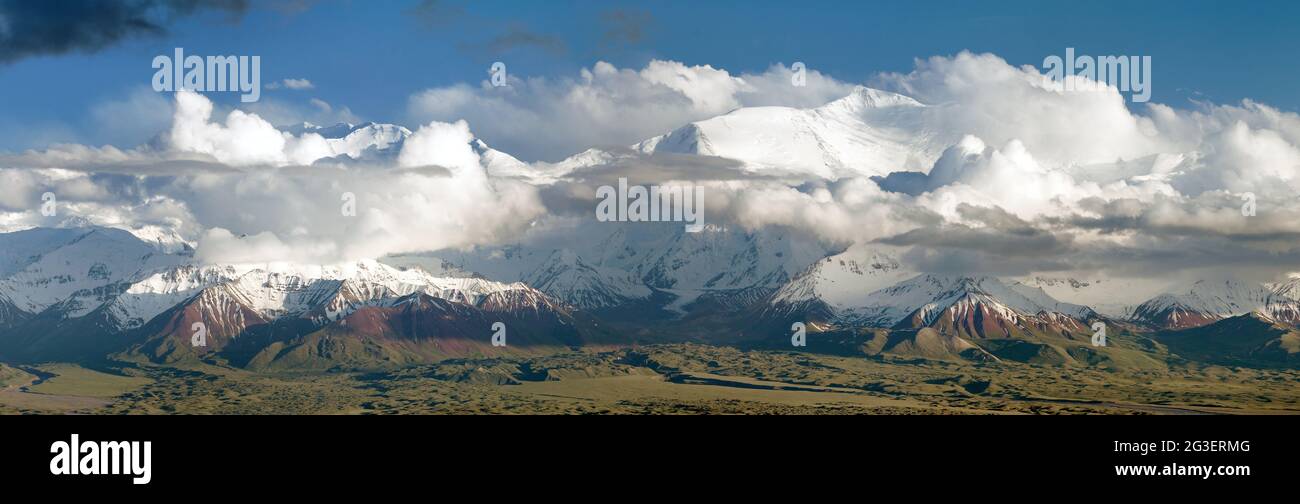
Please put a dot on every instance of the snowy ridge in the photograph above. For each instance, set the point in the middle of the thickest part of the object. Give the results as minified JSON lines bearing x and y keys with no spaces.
{"x":1206,"y":301}
{"x":354,"y":140}
{"x":1117,"y":298}
{"x":714,"y":258}
{"x":1285,"y":311}
{"x":20,"y":249}
{"x":844,"y":280}
{"x":160,"y":291}
{"x":500,"y":164}
{"x":9,"y":314}
{"x":1289,"y":289}
{"x":847,"y":290}
{"x":1035,"y":298}
{"x":869,"y":287}
{"x":83,"y":272}
{"x":76,"y":271}
{"x":633,"y":260}
{"x":565,"y":276}
{"x":965,"y":306}
{"x":932,"y":294}
{"x":327,"y":293}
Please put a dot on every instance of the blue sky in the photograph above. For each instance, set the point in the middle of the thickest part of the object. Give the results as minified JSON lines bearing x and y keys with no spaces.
{"x":371,"y":56}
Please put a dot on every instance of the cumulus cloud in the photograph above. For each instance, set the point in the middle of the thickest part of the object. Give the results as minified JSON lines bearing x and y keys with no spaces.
{"x":834,"y":212}
{"x":243,"y":139}
{"x":1089,"y":183}
{"x":241,"y":190}
{"x":437,"y":195}
{"x":981,"y":94}
{"x":299,"y":215}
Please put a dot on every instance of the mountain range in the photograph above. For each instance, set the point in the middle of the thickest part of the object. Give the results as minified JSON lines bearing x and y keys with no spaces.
{"x":84,"y":292}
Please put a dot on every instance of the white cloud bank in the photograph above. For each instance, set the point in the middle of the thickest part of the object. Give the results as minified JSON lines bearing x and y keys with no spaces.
{"x":548,"y":119}
{"x":1069,"y":179}
{"x":244,"y":191}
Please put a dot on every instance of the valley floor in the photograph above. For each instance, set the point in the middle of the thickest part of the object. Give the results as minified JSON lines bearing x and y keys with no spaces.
{"x":657,"y":379}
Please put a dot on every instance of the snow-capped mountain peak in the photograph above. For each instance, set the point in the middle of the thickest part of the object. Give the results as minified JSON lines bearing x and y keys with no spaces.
{"x":863,"y":98}
{"x":568,"y":277}
{"x":1207,"y":300}
{"x":942,"y":291}
{"x":79,"y":268}
{"x":870,"y":289}
{"x":844,"y":280}
{"x":869,"y":132}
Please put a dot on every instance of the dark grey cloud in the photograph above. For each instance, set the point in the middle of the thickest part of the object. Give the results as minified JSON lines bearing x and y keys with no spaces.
{"x":51,"y":27}
{"x":441,"y":16}
{"x":1184,"y":257}
{"x":135,"y":164}
{"x":656,"y":168}
{"x":994,"y":217}
{"x":1002,"y":233}
{"x":951,"y":261}
{"x":1004,"y":244}
{"x":1161,"y":240}
{"x":517,"y":37}
{"x":1026,"y":242}
{"x":1206,"y":217}
{"x":436,"y":13}
{"x":624,"y":27}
